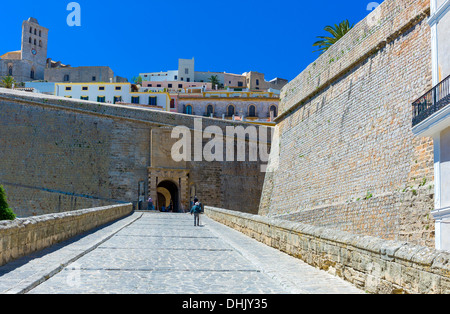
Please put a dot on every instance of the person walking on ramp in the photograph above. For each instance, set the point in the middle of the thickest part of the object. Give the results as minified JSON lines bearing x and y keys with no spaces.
{"x":196,"y":210}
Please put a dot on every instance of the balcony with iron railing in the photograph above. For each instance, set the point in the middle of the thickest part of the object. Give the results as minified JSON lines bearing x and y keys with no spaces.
{"x":433,"y":101}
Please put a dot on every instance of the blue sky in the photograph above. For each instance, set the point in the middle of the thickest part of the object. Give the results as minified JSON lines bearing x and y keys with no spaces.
{"x":236,"y":36}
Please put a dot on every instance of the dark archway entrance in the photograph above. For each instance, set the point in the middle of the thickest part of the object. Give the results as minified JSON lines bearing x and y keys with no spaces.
{"x":168,"y":194}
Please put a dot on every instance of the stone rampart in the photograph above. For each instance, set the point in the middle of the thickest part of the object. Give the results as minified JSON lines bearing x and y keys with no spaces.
{"x":60,"y":154}
{"x":24,"y":236}
{"x":371,"y":264}
{"x":347,"y":156}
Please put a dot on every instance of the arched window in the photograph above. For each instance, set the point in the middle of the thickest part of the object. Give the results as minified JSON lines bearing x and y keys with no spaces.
{"x":188,"y":109}
{"x":209,"y":110}
{"x":31,"y":30}
{"x":29,"y":40}
{"x":40,"y":43}
{"x":230,"y":111}
{"x":35,"y":41}
{"x":273,"y":108}
{"x":252,"y":111}
{"x":32,"y":74}
{"x":35,"y":31}
{"x":40,"y":33}
{"x":10,"y":70}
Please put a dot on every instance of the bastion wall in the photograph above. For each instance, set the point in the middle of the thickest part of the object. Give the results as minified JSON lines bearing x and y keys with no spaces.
{"x":346,"y":157}
{"x":60,"y":154}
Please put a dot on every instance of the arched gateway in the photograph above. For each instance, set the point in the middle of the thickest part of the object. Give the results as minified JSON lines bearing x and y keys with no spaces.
{"x":169,"y":187}
{"x":168,"y":196}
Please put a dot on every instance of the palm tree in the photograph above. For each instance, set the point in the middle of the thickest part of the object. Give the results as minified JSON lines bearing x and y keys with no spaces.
{"x":7,"y":81}
{"x":137,"y":80}
{"x":214,"y":80}
{"x":337,"y":32}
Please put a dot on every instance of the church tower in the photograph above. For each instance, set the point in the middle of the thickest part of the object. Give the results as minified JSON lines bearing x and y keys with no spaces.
{"x":34,"y":49}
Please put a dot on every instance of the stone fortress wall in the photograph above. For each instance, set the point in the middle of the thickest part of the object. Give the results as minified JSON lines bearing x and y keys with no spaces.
{"x":60,"y":154}
{"x":347,"y":158}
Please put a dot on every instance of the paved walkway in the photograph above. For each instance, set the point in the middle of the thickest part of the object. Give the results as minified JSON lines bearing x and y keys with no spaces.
{"x":165,"y":254}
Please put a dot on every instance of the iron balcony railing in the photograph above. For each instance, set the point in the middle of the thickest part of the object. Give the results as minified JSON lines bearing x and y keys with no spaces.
{"x":433,"y":101}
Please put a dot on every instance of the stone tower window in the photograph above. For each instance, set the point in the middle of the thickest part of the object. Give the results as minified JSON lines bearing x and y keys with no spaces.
{"x":29,"y":40}
{"x":32,"y":74}
{"x":40,"y":43}
{"x":10,"y":70}
{"x":31,"y":30}
{"x":35,"y":41}
{"x":40,"y":33}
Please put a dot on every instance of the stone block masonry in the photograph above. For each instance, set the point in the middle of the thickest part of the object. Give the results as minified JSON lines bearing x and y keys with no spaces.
{"x":371,"y":264}
{"x":60,"y":154}
{"x":24,"y":236}
{"x":347,"y":157}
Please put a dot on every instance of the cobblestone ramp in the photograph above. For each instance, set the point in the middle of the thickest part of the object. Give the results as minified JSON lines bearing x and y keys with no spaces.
{"x":158,"y":253}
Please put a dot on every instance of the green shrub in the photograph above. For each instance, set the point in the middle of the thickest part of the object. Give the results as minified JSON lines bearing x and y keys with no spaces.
{"x":5,"y":212}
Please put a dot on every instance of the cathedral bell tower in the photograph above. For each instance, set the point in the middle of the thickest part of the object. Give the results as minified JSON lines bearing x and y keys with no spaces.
{"x":34,"y":48}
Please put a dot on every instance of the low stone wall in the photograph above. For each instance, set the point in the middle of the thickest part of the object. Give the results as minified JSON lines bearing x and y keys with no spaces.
{"x":372,"y":264}
{"x":27,"y":235}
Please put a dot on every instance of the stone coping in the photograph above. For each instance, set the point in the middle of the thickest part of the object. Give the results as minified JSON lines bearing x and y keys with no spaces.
{"x":372,"y":264}
{"x":24,"y":236}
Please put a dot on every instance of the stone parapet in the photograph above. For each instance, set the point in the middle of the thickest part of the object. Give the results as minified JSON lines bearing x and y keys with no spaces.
{"x":372,"y":264}
{"x":24,"y":236}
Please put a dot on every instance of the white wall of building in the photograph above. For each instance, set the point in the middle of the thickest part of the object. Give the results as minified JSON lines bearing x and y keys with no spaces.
{"x":437,"y":126}
{"x":445,"y":167}
{"x":93,"y":91}
{"x":111,"y":93}
{"x":440,"y":39}
{"x":444,"y":46}
{"x":160,"y":76}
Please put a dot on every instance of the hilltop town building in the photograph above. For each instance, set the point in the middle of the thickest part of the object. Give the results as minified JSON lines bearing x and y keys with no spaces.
{"x":193,"y":93}
{"x":62,"y":73}
{"x":30,"y":62}
{"x":186,"y":73}
{"x":113,"y":93}
{"x":231,"y":105}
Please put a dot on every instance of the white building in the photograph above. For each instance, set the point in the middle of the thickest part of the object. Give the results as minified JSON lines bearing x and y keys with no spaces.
{"x":169,"y":76}
{"x":113,"y":93}
{"x":185,"y":73}
{"x":431,"y":117}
